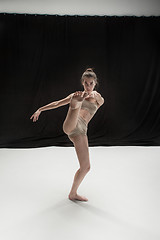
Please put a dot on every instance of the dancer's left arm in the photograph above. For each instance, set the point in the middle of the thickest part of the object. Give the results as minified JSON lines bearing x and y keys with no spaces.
{"x":98,"y":97}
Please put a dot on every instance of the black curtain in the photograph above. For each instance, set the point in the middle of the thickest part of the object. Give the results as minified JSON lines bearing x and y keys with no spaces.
{"x":42,"y":58}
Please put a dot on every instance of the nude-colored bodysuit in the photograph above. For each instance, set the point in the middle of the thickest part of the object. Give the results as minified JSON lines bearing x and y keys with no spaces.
{"x":82,"y":126}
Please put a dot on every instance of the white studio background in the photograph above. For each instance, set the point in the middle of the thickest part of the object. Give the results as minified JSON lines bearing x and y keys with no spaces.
{"x":83,"y":7}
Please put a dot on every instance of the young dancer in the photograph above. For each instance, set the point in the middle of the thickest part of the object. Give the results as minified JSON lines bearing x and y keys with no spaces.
{"x":82,"y":107}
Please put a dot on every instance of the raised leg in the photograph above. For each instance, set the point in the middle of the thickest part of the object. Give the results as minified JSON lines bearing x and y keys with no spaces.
{"x":81,"y":146}
{"x":73,"y":111}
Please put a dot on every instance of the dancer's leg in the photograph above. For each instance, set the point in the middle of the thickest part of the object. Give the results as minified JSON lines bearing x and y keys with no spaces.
{"x":81,"y":147}
{"x":73,"y":111}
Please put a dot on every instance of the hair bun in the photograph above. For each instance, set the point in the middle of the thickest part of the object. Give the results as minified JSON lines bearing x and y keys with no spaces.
{"x":89,"y":70}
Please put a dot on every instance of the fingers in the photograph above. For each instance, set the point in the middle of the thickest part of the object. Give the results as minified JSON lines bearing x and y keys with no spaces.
{"x":35,"y":117}
{"x":82,"y":94}
{"x":79,"y":92}
{"x":32,"y":116}
{"x":85,"y":94}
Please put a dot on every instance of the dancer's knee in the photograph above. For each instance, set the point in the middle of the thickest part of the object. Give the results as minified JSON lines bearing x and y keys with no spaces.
{"x":85,"y":168}
{"x":66,"y":128}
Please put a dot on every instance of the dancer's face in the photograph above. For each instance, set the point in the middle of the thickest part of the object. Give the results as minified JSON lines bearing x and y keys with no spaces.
{"x":88,"y":84}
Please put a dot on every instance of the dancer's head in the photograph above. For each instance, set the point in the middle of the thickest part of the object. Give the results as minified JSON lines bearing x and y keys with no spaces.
{"x":89,"y":80}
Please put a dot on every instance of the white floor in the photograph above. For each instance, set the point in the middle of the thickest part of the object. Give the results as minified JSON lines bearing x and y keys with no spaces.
{"x":123,"y":188}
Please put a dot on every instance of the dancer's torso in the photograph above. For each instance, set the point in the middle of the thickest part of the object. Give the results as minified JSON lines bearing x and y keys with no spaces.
{"x":88,"y":109}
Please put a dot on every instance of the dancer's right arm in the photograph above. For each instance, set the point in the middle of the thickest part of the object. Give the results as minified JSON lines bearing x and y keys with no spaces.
{"x":51,"y":105}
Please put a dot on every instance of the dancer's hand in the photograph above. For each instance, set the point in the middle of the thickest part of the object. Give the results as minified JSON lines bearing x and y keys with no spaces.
{"x":93,"y":94}
{"x":35,"y":116}
{"x":86,"y":93}
{"x":98,"y":97}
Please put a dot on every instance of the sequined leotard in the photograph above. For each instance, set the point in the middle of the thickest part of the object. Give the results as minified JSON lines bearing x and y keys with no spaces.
{"x":82,"y":126}
{"x":90,"y":107}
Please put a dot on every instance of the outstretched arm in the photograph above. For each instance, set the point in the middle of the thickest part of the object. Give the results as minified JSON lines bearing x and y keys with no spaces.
{"x":50,"y":106}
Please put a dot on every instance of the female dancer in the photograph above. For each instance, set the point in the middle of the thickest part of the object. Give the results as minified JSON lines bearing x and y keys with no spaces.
{"x":82,"y":107}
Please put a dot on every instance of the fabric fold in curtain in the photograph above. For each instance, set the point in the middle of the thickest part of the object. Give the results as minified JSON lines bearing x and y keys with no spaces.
{"x":42,"y":59}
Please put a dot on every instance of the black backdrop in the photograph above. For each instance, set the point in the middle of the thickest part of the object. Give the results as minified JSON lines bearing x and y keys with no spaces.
{"x":42,"y":58}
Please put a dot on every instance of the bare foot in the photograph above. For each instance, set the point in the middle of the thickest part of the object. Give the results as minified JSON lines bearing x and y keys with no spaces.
{"x":77,"y":197}
{"x":77,"y":99}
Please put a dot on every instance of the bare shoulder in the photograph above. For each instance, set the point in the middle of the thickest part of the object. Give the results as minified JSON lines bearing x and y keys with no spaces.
{"x":97,"y":93}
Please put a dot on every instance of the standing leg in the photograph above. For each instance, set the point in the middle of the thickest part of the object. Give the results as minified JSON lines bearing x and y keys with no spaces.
{"x":81,"y":146}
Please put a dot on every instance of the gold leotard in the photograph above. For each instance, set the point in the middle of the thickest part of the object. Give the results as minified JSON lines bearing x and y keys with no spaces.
{"x":89,"y":106}
{"x":82,"y":126}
